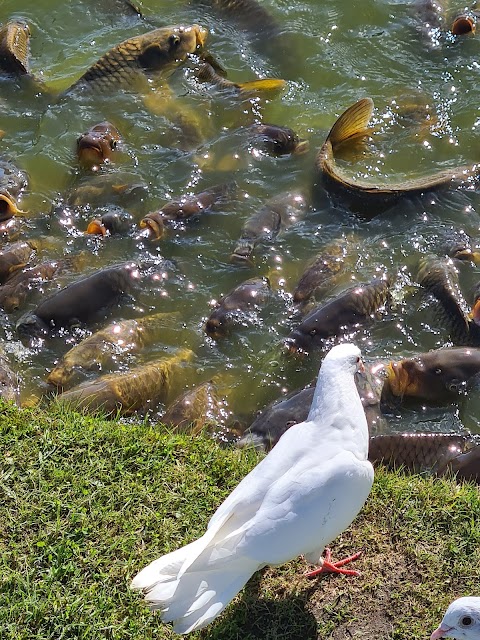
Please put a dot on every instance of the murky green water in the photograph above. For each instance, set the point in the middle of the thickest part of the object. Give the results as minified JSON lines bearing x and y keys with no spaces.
{"x":331,"y":53}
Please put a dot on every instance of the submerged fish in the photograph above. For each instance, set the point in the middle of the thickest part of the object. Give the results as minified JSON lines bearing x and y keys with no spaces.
{"x":246,"y":297}
{"x":15,"y":47}
{"x":439,"y":453}
{"x":351,"y":125}
{"x":198,"y":203}
{"x":278,"y":213}
{"x":352,"y":307}
{"x":439,"y":278}
{"x":18,"y":286}
{"x":118,"y":338}
{"x":142,"y":387}
{"x":14,"y":257}
{"x":97,"y":145}
{"x":80,"y":301}
{"x":194,"y":410}
{"x":248,"y":14}
{"x":435,"y":377}
{"x":457,"y":244}
{"x":320,"y":273}
{"x":206,"y":73}
{"x":157,"y":51}
{"x":278,"y":141}
{"x":121,"y":189}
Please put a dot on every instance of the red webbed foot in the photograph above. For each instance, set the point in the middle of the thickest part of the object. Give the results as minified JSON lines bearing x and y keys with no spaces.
{"x":334,"y":567}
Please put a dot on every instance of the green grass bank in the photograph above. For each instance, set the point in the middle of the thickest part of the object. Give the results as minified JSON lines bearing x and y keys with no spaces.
{"x":85,"y":503}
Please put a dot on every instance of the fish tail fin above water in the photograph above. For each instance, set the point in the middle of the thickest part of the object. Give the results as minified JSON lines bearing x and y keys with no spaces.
{"x":352,"y":123}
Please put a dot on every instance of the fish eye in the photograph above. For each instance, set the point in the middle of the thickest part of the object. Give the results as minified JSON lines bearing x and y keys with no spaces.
{"x":113,"y":145}
{"x":466,"y":621}
{"x":312,"y":332}
{"x":438,"y":372}
{"x":174,"y":40}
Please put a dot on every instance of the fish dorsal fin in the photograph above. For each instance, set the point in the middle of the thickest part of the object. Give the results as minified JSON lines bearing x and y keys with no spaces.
{"x":353,"y":122}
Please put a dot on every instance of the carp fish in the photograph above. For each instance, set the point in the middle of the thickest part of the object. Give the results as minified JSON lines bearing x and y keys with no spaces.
{"x":435,"y":377}
{"x":439,"y":277}
{"x":116,"y":339}
{"x":13,"y":258}
{"x":438,"y":453}
{"x":277,"y":140}
{"x":206,"y":73}
{"x":278,"y":213}
{"x":115,"y":221}
{"x":353,"y":307}
{"x":320,"y":273}
{"x":79,"y":302}
{"x":15,"y":47}
{"x":142,"y":387}
{"x":246,"y":297}
{"x":158,"y":51}
{"x":13,"y":182}
{"x":97,"y":145}
{"x":194,"y":410}
{"x":352,"y":125}
{"x":18,"y":286}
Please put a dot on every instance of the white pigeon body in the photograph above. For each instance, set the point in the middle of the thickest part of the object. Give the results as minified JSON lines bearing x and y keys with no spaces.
{"x":461,"y":620}
{"x":300,"y":497}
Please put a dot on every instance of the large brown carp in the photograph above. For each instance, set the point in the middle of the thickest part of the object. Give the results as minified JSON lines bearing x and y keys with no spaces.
{"x":319,"y":273}
{"x":115,"y":340}
{"x":435,"y":377}
{"x":80,"y":301}
{"x":353,"y":307}
{"x":352,"y":125}
{"x":152,"y":53}
{"x":142,"y":387}
{"x":278,"y":213}
{"x":232,"y":308}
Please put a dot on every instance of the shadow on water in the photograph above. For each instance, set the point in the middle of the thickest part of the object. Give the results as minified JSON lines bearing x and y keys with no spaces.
{"x":256,"y":616}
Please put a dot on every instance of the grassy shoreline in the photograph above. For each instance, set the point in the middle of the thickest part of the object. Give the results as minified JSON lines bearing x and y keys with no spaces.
{"x":85,"y":503}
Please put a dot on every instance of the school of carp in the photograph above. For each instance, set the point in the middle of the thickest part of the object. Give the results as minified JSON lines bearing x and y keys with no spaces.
{"x":111,"y":338}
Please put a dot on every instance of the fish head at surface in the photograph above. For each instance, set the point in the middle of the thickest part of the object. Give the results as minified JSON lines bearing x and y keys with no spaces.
{"x":463,"y":25}
{"x":8,"y":207}
{"x":96,"y":146}
{"x":461,"y":620}
{"x":169,"y":45}
{"x":30,"y":328}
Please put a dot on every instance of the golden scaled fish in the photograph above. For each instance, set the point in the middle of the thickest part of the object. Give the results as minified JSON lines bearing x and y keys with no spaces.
{"x":351,"y":125}
{"x":15,"y":47}
{"x":152,"y":53}
{"x":436,"y":377}
{"x":142,"y":387}
{"x":194,"y":410}
{"x":320,"y":273}
{"x":97,"y":145}
{"x":353,"y":307}
{"x":116,"y":339}
{"x":206,"y":73}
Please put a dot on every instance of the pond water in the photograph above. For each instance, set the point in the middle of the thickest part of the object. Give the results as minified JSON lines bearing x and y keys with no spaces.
{"x":330,"y":54}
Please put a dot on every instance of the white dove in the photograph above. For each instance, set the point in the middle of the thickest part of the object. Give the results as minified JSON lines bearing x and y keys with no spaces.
{"x":461,"y":620}
{"x":300,"y":497}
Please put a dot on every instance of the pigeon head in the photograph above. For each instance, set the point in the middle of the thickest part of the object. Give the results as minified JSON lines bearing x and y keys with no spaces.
{"x":347,"y":356}
{"x":461,"y":620}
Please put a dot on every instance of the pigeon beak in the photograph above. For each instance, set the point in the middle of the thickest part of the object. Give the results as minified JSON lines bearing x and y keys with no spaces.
{"x":439,"y":633}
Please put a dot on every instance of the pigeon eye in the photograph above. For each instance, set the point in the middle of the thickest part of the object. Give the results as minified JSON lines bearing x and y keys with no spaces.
{"x":466,"y":621}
